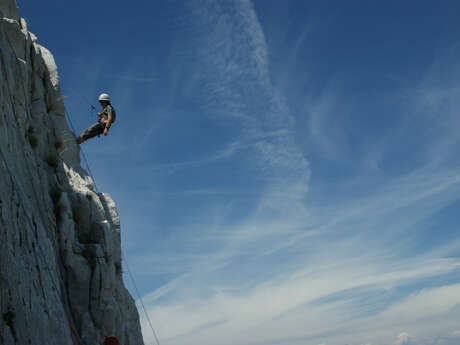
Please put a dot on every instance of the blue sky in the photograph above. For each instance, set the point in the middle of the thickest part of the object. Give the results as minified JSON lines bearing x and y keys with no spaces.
{"x":287,"y":172}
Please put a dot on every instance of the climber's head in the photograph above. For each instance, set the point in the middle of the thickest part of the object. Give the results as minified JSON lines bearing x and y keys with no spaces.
{"x":104,"y":99}
{"x":111,"y":341}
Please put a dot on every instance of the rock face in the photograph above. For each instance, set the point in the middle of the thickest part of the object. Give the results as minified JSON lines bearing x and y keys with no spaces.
{"x":60,"y":256}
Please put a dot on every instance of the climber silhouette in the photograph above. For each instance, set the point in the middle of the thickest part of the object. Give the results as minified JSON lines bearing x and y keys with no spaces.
{"x":106,"y":118}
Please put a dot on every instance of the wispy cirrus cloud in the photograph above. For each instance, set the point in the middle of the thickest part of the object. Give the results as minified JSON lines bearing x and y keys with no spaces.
{"x":291,"y":308}
{"x":349,"y":268}
{"x":234,"y":81}
{"x":257,"y":141}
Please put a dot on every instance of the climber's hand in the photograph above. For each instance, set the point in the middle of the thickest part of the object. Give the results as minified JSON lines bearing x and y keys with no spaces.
{"x":106,"y":130}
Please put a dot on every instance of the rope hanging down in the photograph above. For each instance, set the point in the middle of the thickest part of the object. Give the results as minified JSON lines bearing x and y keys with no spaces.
{"x":123,"y":257}
{"x":140,"y":299}
{"x":82,"y":153}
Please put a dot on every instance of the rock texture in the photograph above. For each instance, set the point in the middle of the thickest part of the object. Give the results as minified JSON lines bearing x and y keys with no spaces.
{"x":60,"y":256}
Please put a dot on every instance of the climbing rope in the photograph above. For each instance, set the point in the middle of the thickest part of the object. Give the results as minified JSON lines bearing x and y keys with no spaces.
{"x":82,"y":153}
{"x":140,"y":299}
{"x":123,"y":257}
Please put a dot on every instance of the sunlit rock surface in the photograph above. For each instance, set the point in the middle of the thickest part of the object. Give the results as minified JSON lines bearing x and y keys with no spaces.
{"x":60,"y":256}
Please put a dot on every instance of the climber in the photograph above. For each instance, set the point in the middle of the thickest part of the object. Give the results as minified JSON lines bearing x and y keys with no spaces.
{"x":106,"y":118}
{"x":111,"y":341}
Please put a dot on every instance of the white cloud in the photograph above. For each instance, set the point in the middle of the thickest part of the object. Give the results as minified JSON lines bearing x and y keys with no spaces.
{"x":425,"y":304}
{"x":327,"y":263}
{"x":405,"y":339}
{"x":278,"y":308}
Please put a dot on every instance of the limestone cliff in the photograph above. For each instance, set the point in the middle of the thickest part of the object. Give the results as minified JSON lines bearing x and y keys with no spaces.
{"x":60,"y":256}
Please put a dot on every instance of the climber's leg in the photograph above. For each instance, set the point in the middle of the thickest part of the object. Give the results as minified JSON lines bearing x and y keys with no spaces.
{"x":90,"y":132}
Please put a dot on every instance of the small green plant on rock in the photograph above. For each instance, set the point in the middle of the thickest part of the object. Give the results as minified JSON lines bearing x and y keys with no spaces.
{"x":56,"y":193}
{"x":59,"y":144}
{"x":118,"y":269}
{"x":59,"y":209}
{"x":8,"y":317}
{"x":52,"y":161}
{"x":77,"y":215}
{"x":30,"y":135}
{"x":107,"y":257}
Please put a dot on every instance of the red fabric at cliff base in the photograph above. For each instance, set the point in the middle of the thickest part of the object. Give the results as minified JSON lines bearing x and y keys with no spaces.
{"x":111,"y":341}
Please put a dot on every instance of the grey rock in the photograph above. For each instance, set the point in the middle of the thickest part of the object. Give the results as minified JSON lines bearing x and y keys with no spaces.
{"x":9,"y":9}
{"x":60,"y":253}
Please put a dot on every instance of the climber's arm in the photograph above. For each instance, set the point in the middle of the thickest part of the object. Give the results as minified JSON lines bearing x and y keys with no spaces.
{"x":107,"y":124}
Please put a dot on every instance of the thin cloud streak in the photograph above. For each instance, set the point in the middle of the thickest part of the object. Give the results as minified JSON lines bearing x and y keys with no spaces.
{"x":340,"y":257}
{"x":288,"y":302}
{"x":256,"y":142}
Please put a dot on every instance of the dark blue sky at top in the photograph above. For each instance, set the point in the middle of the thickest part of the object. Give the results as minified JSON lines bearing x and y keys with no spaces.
{"x":356,"y":40}
{"x":364,"y":38}
{"x":371,"y":48}
{"x":354,"y":37}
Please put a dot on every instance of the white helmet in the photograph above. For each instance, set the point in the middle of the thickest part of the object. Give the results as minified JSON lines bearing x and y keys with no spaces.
{"x":104,"y":97}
